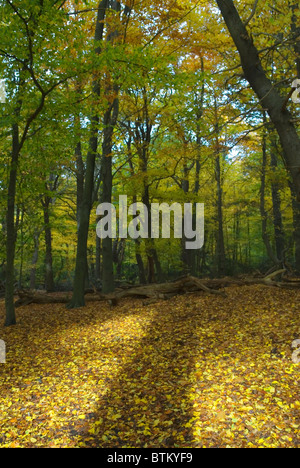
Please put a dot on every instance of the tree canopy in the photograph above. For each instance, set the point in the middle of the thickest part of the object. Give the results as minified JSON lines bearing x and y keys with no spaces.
{"x":165,"y":102}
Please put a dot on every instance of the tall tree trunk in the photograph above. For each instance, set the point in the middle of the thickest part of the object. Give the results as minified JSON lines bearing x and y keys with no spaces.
{"x":118,"y":255}
{"x":199,"y":101}
{"x":21,"y":250}
{"x":155,"y":273}
{"x":295,"y":201}
{"x":263,"y":212}
{"x":221,"y":258}
{"x":109,"y":123}
{"x":149,"y":243}
{"x":187,"y":255}
{"x":17,"y":145}
{"x":296,"y":35}
{"x":86,"y":205}
{"x":236,"y":231}
{"x":220,"y":251}
{"x":140,"y":263}
{"x":277,"y":216}
{"x":10,"y":230}
{"x":98,"y":260}
{"x":296,"y":224}
{"x":79,"y":178}
{"x":138,"y":256}
{"x":34,"y":261}
{"x":49,"y":279}
{"x":84,"y":221}
{"x":110,"y":120}
{"x":269,"y":97}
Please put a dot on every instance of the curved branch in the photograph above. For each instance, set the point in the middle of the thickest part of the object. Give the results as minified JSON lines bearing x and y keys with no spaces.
{"x":252,"y":13}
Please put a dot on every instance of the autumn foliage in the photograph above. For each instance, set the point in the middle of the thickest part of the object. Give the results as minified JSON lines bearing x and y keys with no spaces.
{"x":166,"y":102}
{"x":196,"y":371}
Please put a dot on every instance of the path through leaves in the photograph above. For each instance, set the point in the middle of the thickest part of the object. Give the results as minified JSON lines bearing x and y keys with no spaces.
{"x":196,"y":371}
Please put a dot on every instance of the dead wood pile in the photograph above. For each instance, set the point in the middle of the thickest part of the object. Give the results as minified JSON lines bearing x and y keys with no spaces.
{"x":152,"y":293}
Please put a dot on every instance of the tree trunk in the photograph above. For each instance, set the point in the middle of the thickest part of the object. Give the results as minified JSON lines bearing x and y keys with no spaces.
{"x":106,"y":168}
{"x":84,"y":221}
{"x":34,"y":261}
{"x":221,"y":257}
{"x":98,"y":260}
{"x":187,"y":255}
{"x":79,"y":178}
{"x":295,"y":200}
{"x":199,"y":101}
{"x":269,"y":97}
{"x":118,"y":255}
{"x":296,"y":35}
{"x":277,"y":216}
{"x":20,"y":282}
{"x":109,"y":123}
{"x":10,"y":230}
{"x":296,"y":224}
{"x":263,"y":213}
{"x":86,"y":205}
{"x":140,"y":263}
{"x":110,"y":120}
{"x":49,"y":280}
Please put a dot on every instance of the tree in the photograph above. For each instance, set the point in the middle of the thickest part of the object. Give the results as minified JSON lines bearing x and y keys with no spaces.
{"x":269,"y":97}
{"x":86,"y":203}
{"x":32,"y":85}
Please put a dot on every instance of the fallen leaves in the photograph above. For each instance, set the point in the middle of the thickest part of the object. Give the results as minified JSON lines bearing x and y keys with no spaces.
{"x":200,"y":372}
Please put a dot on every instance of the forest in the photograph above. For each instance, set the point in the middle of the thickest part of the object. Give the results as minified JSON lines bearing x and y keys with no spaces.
{"x":188,"y":105}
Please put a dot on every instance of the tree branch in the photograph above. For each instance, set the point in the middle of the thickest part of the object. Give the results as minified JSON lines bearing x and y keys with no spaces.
{"x":252,"y":13}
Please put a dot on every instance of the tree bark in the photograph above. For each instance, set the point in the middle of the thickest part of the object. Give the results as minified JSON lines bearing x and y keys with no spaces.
{"x":296,"y":225}
{"x":263,"y":212}
{"x":110,"y":120}
{"x":79,"y":178}
{"x":35,"y":256}
{"x":277,"y":215}
{"x":140,"y":263}
{"x":49,"y":280}
{"x":98,"y":260}
{"x":86,"y":205}
{"x":296,"y":35}
{"x":221,"y":256}
{"x":269,"y":97}
{"x":84,"y":221}
{"x":10,"y":230}
{"x":295,"y":29}
{"x":187,"y":256}
{"x":109,"y":123}
{"x":20,"y":282}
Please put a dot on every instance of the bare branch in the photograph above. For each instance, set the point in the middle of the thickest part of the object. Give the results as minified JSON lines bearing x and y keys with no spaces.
{"x":252,"y":13}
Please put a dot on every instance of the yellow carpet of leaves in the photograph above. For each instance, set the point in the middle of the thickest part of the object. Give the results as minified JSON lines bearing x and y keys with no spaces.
{"x":195,"y":371}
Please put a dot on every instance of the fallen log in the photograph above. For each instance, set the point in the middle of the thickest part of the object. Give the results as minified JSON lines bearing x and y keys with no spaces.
{"x":151,"y":291}
{"x":33,"y":297}
{"x":156,"y":292}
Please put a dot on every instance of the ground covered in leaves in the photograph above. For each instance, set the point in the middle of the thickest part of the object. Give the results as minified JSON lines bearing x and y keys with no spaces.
{"x":195,"y":371}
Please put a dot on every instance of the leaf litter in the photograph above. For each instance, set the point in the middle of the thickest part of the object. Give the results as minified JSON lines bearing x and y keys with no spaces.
{"x":195,"y":371}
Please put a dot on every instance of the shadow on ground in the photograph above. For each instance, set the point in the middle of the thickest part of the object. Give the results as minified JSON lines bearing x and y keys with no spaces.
{"x":149,"y":402}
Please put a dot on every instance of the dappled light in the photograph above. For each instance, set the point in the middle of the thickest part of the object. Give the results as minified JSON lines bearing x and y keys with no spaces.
{"x":196,"y":372}
{"x":149,"y":225}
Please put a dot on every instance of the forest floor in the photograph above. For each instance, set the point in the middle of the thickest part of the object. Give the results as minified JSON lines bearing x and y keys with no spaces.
{"x":195,"y":371}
